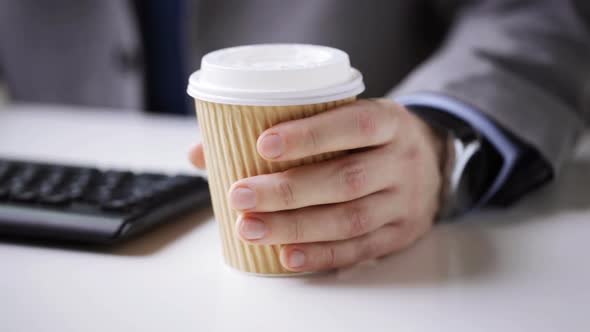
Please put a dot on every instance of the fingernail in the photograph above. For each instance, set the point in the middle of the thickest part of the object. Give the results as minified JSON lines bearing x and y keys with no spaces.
{"x":296,"y":258}
{"x":271,"y":146}
{"x":242,"y":198}
{"x":252,"y":229}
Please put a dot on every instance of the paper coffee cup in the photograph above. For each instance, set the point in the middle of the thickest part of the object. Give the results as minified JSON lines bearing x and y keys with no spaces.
{"x":240,"y":92}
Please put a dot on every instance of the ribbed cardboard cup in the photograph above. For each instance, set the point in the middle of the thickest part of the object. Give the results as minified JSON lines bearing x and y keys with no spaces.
{"x":236,"y":102}
{"x":229,"y":134}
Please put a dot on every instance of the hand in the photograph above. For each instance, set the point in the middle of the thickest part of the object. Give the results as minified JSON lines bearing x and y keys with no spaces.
{"x":377,"y":199}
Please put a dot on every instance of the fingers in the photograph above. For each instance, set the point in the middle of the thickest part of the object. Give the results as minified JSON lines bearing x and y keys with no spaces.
{"x":331,"y":255}
{"x":196,"y":156}
{"x":359,"y":124}
{"x":322,"y":223}
{"x":339,"y":180}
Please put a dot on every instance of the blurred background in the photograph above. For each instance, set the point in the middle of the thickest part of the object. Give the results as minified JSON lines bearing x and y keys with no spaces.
{"x":3,"y":95}
{"x":139,"y":54}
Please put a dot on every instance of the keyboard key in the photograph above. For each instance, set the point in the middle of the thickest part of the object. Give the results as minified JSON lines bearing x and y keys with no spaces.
{"x":117,"y":205}
{"x":80,"y":186}
{"x":55,"y":199}
{"x":47,"y":188}
{"x":98,"y":195}
{"x":55,"y":176}
{"x":114,"y":179}
{"x":28,"y":173}
{"x":85,"y":177}
{"x":29,"y":195}
{"x":17,"y":186}
{"x":76,"y":192}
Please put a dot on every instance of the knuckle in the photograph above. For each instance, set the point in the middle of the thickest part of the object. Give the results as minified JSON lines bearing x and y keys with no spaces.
{"x":357,"y":220}
{"x":353,"y":176}
{"x":383,"y":114}
{"x":284,"y":191}
{"x":391,"y":116}
{"x":296,"y":234}
{"x":330,"y":260}
{"x":412,"y":153}
{"x":366,"y":122}
{"x":311,"y":139}
{"x":368,"y":249}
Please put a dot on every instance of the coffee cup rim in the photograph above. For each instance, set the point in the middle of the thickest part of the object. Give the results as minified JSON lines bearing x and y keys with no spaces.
{"x":202,"y":91}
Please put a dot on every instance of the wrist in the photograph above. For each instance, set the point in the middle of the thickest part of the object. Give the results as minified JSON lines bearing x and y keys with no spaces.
{"x":437,"y":141}
{"x":461,"y":160}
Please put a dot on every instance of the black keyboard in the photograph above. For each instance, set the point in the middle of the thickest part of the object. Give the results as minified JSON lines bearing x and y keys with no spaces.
{"x":60,"y":202}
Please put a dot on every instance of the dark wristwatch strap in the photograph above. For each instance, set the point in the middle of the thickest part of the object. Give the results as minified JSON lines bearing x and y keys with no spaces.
{"x":477,"y":172}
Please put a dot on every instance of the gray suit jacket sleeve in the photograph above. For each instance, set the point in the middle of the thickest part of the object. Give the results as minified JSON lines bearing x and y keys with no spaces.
{"x":524,"y":64}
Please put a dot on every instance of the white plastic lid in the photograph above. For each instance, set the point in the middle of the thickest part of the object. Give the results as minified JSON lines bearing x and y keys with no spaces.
{"x":275,"y":74}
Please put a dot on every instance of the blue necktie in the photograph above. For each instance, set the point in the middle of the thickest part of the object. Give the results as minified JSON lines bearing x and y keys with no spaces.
{"x":162,"y":24}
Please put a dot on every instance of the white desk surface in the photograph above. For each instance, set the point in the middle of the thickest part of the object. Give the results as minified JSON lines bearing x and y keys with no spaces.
{"x":525,"y":269}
